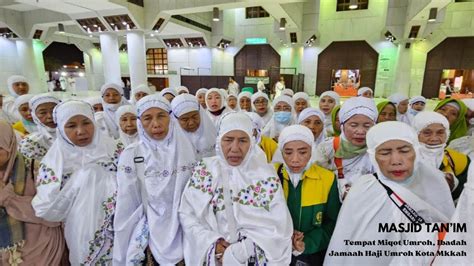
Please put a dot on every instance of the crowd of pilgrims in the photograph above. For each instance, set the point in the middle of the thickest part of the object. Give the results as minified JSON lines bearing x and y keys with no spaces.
{"x":214,"y":178}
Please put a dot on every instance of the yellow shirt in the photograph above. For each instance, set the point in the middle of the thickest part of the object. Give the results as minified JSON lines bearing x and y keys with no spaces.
{"x":18,"y":126}
{"x":269,"y":146}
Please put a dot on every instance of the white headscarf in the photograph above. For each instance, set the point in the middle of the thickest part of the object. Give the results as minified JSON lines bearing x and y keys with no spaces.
{"x":288,"y":92}
{"x":268,"y":116}
{"x":93,"y":100}
{"x":148,"y":199}
{"x":204,"y":138}
{"x":265,"y":224}
{"x":258,"y":125}
{"x":201,"y":90}
{"x":310,"y":111}
{"x":140,"y":88}
{"x":368,"y":204}
{"x":110,"y":109}
{"x":182,"y":89}
{"x":397,"y":98}
{"x":244,"y":94}
{"x":294,"y":133}
{"x":333,"y":95}
{"x":12,"y":80}
{"x":46,"y":133}
{"x":301,"y":95}
{"x":237,"y":107}
{"x":168,"y":90}
{"x":273,"y":128}
{"x":220,"y":92}
{"x":124,"y":137}
{"x":412,"y":101}
{"x":363,"y":90}
{"x":76,"y":185}
{"x":432,"y":154}
{"x":31,"y":127}
{"x":358,"y":106}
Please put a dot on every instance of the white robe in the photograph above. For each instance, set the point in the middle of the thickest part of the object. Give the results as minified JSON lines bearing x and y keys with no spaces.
{"x":279,"y":87}
{"x":258,"y":208}
{"x":464,"y":145}
{"x":148,"y":196}
{"x":368,"y":205}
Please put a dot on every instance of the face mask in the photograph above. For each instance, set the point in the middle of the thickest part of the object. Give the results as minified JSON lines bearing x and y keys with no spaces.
{"x":413,"y":112}
{"x":282,"y":117}
{"x":112,"y":106}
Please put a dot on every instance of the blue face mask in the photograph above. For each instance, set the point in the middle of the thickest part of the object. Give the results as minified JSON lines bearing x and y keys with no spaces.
{"x":413,"y":111}
{"x":282,"y":117}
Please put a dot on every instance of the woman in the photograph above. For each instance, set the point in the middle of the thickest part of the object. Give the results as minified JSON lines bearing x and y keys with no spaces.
{"x":126,"y":118}
{"x":417,"y":104}
{"x":313,"y":119}
{"x":283,"y":116}
{"x":336,"y":123}
{"x":151,"y":178}
{"x":268,"y":145}
{"x":168,"y":94}
{"x":387,"y":112}
{"x":37,"y":144}
{"x":288,"y":92}
{"x":301,"y":100}
{"x":261,"y":106}
{"x":77,"y":184}
{"x":182,"y":89}
{"x":139,"y":92}
{"x":365,"y":92}
{"x":233,"y":209}
{"x":464,"y":214}
{"x":112,"y":99}
{"x":245,"y":101}
{"x":215,"y":102}
{"x":96,"y":103}
{"x":25,"y":125}
{"x":201,"y":97}
{"x":327,"y":102}
{"x":433,"y":132}
{"x":232,"y":103}
{"x":311,"y":195}
{"x":401,"y":102}
{"x":404,"y":191}
{"x":347,"y":154}
{"x":17,"y":86}
{"x":25,"y":238}
{"x":455,"y":111}
{"x":196,"y":124}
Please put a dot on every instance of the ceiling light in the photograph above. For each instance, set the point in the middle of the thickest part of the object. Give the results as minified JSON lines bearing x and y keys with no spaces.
{"x":282,"y":24}
{"x":152,"y":35}
{"x":90,"y":35}
{"x":95,"y":26}
{"x":353,"y":4}
{"x":433,"y":14}
{"x":215,"y":14}
{"x":124,"y":23}
{"x":112,"y":24}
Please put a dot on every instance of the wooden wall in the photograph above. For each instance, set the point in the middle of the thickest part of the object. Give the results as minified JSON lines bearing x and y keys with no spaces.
{"x":452,"y":53}
{"x":194,"y":83}
{"x":347,"y":55}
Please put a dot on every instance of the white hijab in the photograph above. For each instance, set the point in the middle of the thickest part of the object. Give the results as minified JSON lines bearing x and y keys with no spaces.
{"x":140,"y":88}
{"x":397,"y":98}
{"x":76,"y":185}
{"x":432,"y":154}
{"x":357,"y":106}
{"x":12,"y":80}
{"x":222,"y":93}
{"x":268,"y":116}
{"x":294,"y":133}
{"x":414,"y":100}
{"x":364,"y":90}
{"x":250,"y":227}
{"x":204,"y":138}
{"x":36,"y":144}
{"x":181,"y":89}
{"x":367,"y":205}
{"x":149,"y":192}
{"x":124,"y":137}
{"x":110,"y":109}
{"x":273,"y":127}
{"x":237,"y":107}
{"x":31,"y":127}
{"x":168,"y":91}
{"x":244,"y":94}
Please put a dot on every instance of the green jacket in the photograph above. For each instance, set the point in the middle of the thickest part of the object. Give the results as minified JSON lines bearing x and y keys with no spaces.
{"x":314,"y":205}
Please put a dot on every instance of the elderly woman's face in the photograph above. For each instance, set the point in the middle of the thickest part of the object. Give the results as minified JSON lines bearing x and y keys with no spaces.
{"x":25,"y":112}
{"x":112,"y":96}
{"x":396,"y":159}
{"x":140,"y":95}
{"x":434,"y":134}
{"x":450,"y":112}
{"x":214,"y":101}
{"x":21,"y":87}
{"x":235,"y":144}
{"x":44,"y":112}
{"x":388,"y":113}
{"x":244,"y":103}
{"x":300,"y":105}
{"x":367,"y":94}
{"x":326,"y":104}
{"x":128,"y":123}
{"x":156,"y":123}
{"x":355,"y":129}
{"x":79,"y":130}
{"x":202,"y":100}
{"x":403,"y":106}
{"x":315,"y":124}
{"x":296,"y":155}
{"x":261,"y":105}
{"x":232,"y":102}
{"x":190,"y":121}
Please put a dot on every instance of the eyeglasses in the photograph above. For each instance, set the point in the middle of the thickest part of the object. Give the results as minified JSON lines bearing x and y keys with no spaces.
{"x":260,"y":102}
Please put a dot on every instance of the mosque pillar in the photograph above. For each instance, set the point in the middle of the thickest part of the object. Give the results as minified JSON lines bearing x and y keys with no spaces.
{"x":28,"y":65}
{"x":403,"y":71}
{"x":110,"y":57}
{"x":137,"y":58}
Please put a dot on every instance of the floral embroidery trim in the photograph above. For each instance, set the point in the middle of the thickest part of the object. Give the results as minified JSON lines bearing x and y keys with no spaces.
{"x":103,"y":237}
{"x":111,"y":165}
{"x":32,"y":149}
{"x":46,"y":175}
{"x":142,"y":240}
{"x":257,"y":195}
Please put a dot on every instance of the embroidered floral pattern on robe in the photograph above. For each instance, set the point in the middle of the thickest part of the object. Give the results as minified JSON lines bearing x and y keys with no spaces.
{"x":32,"y":149}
